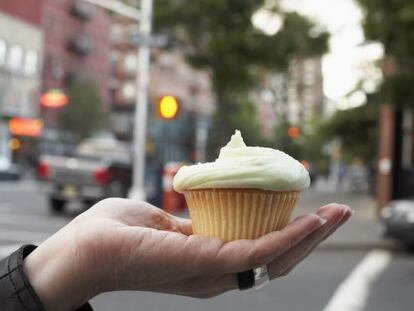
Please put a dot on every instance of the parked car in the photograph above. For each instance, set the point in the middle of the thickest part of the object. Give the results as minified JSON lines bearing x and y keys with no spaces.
{"x":397,"y":221}
{"x":100,"y":167}
{"x":10,"y":172}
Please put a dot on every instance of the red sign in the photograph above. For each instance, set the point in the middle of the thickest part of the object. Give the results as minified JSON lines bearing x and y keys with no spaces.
{"x":25,"y":127}
{"x":54,"y":99}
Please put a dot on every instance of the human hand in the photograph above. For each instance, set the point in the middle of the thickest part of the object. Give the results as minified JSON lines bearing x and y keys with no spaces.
{"x":121,"y":244}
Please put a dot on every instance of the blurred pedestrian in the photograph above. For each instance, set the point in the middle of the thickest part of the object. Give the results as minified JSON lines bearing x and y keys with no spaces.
{"x":121,"y":244}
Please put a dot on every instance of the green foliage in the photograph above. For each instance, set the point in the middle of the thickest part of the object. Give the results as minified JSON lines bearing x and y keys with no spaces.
{"x":84,"y":113}
{"x":391,"y":22}
{"x":242,"y":118}
{"x":357,"y":130}
{"x":218,"y":35}
{"x":283,"y":142}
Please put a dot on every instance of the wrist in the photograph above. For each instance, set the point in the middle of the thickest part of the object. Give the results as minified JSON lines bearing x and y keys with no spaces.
{"x":57,"y":274}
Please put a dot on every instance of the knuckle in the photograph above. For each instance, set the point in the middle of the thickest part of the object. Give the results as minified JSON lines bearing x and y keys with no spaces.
{"x":262,"y":255}
{"x":291,"y":241}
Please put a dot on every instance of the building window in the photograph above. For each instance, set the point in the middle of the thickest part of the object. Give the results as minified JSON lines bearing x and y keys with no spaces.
{"x":3,"y":52}
{"x":30,"y":62}
{"x":15,"y":58}
{"x":309,"y":75}
{"x":128,"y":91}
{"x":131,"y":63}
{"x":117,"y":33}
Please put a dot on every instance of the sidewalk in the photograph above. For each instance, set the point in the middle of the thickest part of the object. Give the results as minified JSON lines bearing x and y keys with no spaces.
{"x":361,"y":231}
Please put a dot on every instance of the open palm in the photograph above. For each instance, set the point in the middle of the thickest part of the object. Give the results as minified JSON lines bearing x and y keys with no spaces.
{"x":141,"y":247}
{"x":122,"y":244}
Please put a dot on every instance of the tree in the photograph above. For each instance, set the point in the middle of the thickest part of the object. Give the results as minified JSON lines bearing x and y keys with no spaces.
{"x":84,"y":113}
{"x":218,"y":35}
{"x":391,"y":22}
{"x":243,"y":119}
{"x":357,"y":130}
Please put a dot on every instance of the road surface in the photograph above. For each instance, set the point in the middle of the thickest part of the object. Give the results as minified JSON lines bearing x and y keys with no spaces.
{"x":353,"y":271}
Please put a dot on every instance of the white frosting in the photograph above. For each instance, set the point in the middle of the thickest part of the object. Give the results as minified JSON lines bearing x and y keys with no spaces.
{"x":239,"y":166}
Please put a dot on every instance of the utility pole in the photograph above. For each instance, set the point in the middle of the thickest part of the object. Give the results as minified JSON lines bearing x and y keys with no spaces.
{"x":144,"y":17}
{"x":137,"y":191}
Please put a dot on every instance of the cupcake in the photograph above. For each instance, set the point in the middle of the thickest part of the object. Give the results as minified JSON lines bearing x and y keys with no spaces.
{"x":244,"y":194}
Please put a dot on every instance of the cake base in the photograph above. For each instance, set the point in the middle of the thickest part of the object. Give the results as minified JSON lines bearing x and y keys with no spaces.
{"x":233,"y":214}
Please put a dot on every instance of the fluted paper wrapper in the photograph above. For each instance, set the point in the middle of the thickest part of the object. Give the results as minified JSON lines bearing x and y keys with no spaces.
{"x":232,"y":214}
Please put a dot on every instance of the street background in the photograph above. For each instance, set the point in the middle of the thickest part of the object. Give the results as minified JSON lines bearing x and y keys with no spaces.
{"x":108,"y":98}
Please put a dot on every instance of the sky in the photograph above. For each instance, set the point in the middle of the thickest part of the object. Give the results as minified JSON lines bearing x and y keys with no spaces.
{"x":349,"y":59}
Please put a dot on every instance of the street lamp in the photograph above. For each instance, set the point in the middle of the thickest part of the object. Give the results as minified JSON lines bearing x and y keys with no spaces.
{"x":144,"y":16}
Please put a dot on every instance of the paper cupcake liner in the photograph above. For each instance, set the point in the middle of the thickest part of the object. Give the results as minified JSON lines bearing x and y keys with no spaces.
{"x":232,"y":214}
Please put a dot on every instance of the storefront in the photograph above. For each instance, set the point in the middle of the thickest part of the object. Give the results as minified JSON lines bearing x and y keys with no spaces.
{"x":21,"y":42}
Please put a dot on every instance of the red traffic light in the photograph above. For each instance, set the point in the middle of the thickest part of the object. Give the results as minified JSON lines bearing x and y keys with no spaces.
{"x":293,"y":132}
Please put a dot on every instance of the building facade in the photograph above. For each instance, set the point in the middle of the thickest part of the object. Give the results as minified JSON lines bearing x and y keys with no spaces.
{"x":295,"y":97}
{"x":181,"y":139}
{"x":21,"y":51}
{"x":76,"y":47}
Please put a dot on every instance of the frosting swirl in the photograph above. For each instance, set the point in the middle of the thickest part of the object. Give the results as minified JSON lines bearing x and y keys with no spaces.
{"x":240,"y":166}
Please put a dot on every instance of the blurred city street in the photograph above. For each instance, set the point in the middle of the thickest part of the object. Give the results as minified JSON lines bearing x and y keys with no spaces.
{"x":25,"y":218}
{"x":112,"y":98}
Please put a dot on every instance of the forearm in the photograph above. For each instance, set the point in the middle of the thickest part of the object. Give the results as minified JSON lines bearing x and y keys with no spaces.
{"x":57,"y":275}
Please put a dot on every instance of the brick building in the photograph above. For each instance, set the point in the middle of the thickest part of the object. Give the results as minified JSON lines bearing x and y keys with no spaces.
{"x":180,"y":139}
{"x":76,"y":46}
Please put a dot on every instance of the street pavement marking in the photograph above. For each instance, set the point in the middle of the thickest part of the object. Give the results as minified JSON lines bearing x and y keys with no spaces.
{"x":22,"y":235}
{"x":352,"y":294}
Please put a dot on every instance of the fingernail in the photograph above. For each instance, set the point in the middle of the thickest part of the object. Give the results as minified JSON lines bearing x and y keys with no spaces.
{"x":346,"y":209}
{"x":321,"y":219}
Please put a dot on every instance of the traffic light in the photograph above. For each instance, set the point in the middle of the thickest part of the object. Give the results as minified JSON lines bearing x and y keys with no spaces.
{"x":293,"y":132}
{"x":168,"y":107}
{"x":14,"y":144}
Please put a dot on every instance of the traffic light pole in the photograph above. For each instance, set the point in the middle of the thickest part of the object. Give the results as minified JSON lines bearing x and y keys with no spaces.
{"x":137,"y":190}
{"x":144,"y":17}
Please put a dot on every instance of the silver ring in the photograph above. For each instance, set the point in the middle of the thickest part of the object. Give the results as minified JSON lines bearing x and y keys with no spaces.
{"x":261,"y":277}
